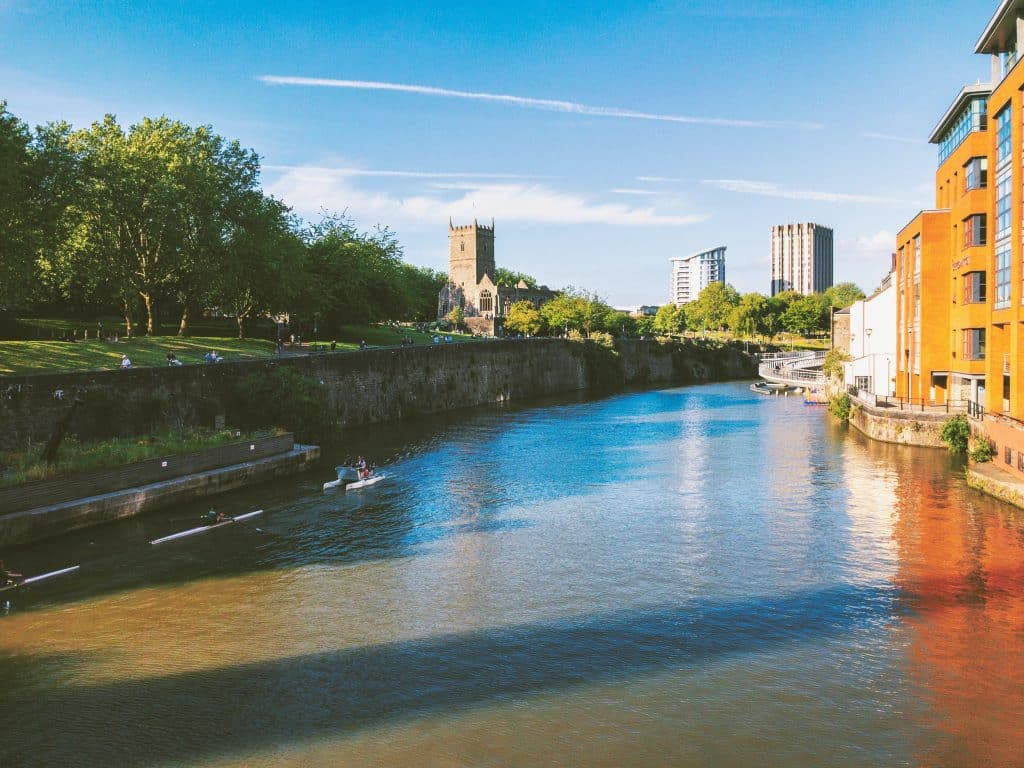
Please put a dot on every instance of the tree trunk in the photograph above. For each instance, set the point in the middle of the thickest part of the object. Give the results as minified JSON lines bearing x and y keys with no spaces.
{"x":127,"y":318}
{"x":147,"y":301}
{"x":240,"y":319}
{"x":183,"y":327}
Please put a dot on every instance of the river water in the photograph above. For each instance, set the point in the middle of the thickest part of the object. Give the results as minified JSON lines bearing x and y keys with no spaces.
{"x":688,"y":577}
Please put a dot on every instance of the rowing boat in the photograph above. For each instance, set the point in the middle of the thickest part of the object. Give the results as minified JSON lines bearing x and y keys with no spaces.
{"x":40,"y":577}
{"x":352,"y":485}
{"x":205,"y":528}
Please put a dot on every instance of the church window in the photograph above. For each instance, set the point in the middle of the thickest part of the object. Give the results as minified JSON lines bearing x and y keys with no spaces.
{"x":462,"y":246}
{"x":486,"y":302}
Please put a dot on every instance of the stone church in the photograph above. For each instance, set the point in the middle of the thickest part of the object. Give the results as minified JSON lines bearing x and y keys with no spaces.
{"x":472,"y":285}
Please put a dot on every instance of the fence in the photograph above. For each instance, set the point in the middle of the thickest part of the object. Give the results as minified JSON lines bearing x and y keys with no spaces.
{"x":41,"y":493}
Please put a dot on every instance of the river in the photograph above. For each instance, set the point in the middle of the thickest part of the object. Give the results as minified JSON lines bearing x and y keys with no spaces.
{"x":691,"y":577}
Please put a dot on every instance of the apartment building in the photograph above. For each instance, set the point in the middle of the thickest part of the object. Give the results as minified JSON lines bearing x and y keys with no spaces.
{"x":692,"y":274}
{"x":959,"y":271}
{"x":802,"y":258}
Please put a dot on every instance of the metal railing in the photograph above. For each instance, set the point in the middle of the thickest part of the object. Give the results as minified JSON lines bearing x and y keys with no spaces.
{"x":917,"y":404}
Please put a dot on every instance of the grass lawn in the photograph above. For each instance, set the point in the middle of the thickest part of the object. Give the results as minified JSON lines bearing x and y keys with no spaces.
{"x":74,"y":456}
{"x":44,"y":356}
{"x":27,"y":357}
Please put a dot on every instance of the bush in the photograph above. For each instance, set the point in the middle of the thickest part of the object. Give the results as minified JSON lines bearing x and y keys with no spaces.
{"x":604,"y":339}
{"x":982,"y":451}
{"x":832,"y":366}
{"x":280,"y":397}
{"x":956,"y":434}
{"x":839,"y":406}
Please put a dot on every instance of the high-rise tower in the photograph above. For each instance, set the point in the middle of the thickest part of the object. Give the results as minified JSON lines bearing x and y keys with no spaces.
{"x":801,"y":258}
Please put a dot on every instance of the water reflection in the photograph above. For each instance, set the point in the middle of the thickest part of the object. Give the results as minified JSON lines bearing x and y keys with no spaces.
{"x":696,"y":576}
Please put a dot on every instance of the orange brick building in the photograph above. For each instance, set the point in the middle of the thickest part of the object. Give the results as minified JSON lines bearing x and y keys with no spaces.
{"x":959,"y":267}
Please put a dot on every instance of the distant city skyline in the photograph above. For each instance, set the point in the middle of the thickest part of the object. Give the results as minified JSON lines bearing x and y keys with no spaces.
{"x":602,"y":136}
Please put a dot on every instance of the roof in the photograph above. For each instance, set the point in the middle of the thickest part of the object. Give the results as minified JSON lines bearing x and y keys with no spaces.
{"x":699,"y":253}
{"x":967,"y":93}
{"x":1001,"y":28}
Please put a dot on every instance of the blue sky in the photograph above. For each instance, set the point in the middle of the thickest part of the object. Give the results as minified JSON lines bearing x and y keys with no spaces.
{"x":638,"y":131}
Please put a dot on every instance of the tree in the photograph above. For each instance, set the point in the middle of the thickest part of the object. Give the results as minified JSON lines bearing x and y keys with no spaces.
{"x":803,"y":316}
{"x":509,"y":277}
{"x":19,"y":226}
{"x":712,"y":307}
{"x":645,"y":326}
{"x":670,"y":319}
{"x":421,"y":285}
{"x":523,"y":318}
{"x":562,"y":313}
{"x":752,"y":316}
{"x":456,"y":317}
{"x":842,"y":295}
{"x":620,"y":323}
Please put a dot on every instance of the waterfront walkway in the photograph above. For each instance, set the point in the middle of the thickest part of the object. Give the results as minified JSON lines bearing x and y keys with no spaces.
{"x":795,"y":369}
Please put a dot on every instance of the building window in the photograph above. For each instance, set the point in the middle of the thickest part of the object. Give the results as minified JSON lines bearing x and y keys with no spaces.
{"x":975,"y":230}
{"x":1008,"y":455}
{"x":462,"y":246}
{"x":1003,"y":136}
{"x":974,"y":344}
{"x":486,"y":301}
{"x":974,"y":288}
{"x":973,"y":118}
{"x":1020,"y":461}
{"x":1003,"y":199}
{"x":976,"y":173}
{"x":1003,"y":252}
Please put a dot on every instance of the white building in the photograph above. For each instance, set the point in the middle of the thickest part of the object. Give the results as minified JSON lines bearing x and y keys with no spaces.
{"x":873,"y":343}
{"x":801,"y":258}
{"x":692,"y":274}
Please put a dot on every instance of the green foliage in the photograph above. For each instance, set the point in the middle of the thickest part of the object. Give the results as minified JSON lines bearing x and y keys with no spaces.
{"x":840,"y":406}
{"x":523,"y":318}
{"x":603,"y":338}
{"x":511,"y":278}
{"x":18,"y":190}
{"x":842,"y":295}
{"x":751,"y":317}
{"x":956,"y":433}
{"x":456,"y":317}
{"x":645,"y":326}
{"x":712,"y":308}
{"x":670,"y":320}
{"x":280,"y":397}
{"x":804,"y":315}
{"x":981,"y":452}
{"x":577,"y":310}
{"x":832,"y":366}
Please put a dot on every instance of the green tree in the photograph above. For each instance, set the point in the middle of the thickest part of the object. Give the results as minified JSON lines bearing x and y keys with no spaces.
{"x":421,"y":285}
{"x":752,"y":316}
{"x":563,"y":313}
{"x":645,"y":326}
{"x":842,"y":295}
{"x":803,"y":316}
{"x":523,"y":318}
{"x":509,"y":277}
{"x":19,"y":223}
{"x":620,"y":323}
{"x":712,"y":307}
{"x":669,"y":320}
{"x":456,"y":317}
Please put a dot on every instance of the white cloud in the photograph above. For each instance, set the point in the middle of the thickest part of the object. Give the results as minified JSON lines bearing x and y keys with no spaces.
{"x":890,"y":137}
{"x":401,"y":174}
{"x":627,"y":191}
{"x":656,"y":179}
{"x":771,"y":189}
{"x":882,"y":241}
{"x":310,"y":189}
{"x":550,"y":105}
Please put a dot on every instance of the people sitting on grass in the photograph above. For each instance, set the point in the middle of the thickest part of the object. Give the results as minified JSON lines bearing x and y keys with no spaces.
{"x":125,"y":362}
{"x":212,"y":357}
{"x":172,"y":359}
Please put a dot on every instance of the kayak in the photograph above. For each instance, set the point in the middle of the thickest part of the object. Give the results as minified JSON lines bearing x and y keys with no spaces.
{"x":205,"y":528}
{"x":40,"y":577}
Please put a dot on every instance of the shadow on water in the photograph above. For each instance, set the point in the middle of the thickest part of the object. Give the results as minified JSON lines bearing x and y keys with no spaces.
{"x":452,"y":474}
{"x":249,"y":707}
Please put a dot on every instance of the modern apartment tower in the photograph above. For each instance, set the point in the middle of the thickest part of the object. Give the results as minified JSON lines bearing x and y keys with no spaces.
{"x":692,"y":274}
{"x":801,"y":258}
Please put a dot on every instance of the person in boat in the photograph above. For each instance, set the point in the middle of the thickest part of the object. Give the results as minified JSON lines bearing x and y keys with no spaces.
{"x":9,"y":578}
{"x":213,"y":517}
{"x":362,"y":469}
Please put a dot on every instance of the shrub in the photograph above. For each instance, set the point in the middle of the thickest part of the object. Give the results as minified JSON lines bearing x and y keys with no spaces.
{"x":956,"y":433}
{"x":602,"y":338}
{"x":981,"y":452}
{"x":832,"y":366}
{"x":279,"y":397}
{"x":574,"y":335}
{"x":839,"y":406}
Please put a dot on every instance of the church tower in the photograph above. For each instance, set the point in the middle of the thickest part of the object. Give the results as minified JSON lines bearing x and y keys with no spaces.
{"x":470,"y":254}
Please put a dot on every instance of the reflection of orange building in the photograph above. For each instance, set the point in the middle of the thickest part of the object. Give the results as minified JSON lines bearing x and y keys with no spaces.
{"x":961,"y":573}
{"x":959,"y":268}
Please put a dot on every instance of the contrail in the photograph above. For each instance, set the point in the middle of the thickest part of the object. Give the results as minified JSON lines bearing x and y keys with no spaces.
{"x":550,"y":105}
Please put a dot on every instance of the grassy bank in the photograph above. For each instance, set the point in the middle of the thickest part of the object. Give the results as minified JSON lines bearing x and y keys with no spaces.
{"x":78,"y":457}
{"x":33,"y":357}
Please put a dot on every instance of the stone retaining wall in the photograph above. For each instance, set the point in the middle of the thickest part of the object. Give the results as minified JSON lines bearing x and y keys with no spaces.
{"x":901,"y":427}
{"x":364,"y":387}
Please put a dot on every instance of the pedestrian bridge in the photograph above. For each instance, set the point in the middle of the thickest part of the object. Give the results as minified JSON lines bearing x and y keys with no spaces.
{"x":797,"y":369}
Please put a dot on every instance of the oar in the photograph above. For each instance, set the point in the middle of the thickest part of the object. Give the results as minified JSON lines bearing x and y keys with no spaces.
{"x":40,"y":577}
